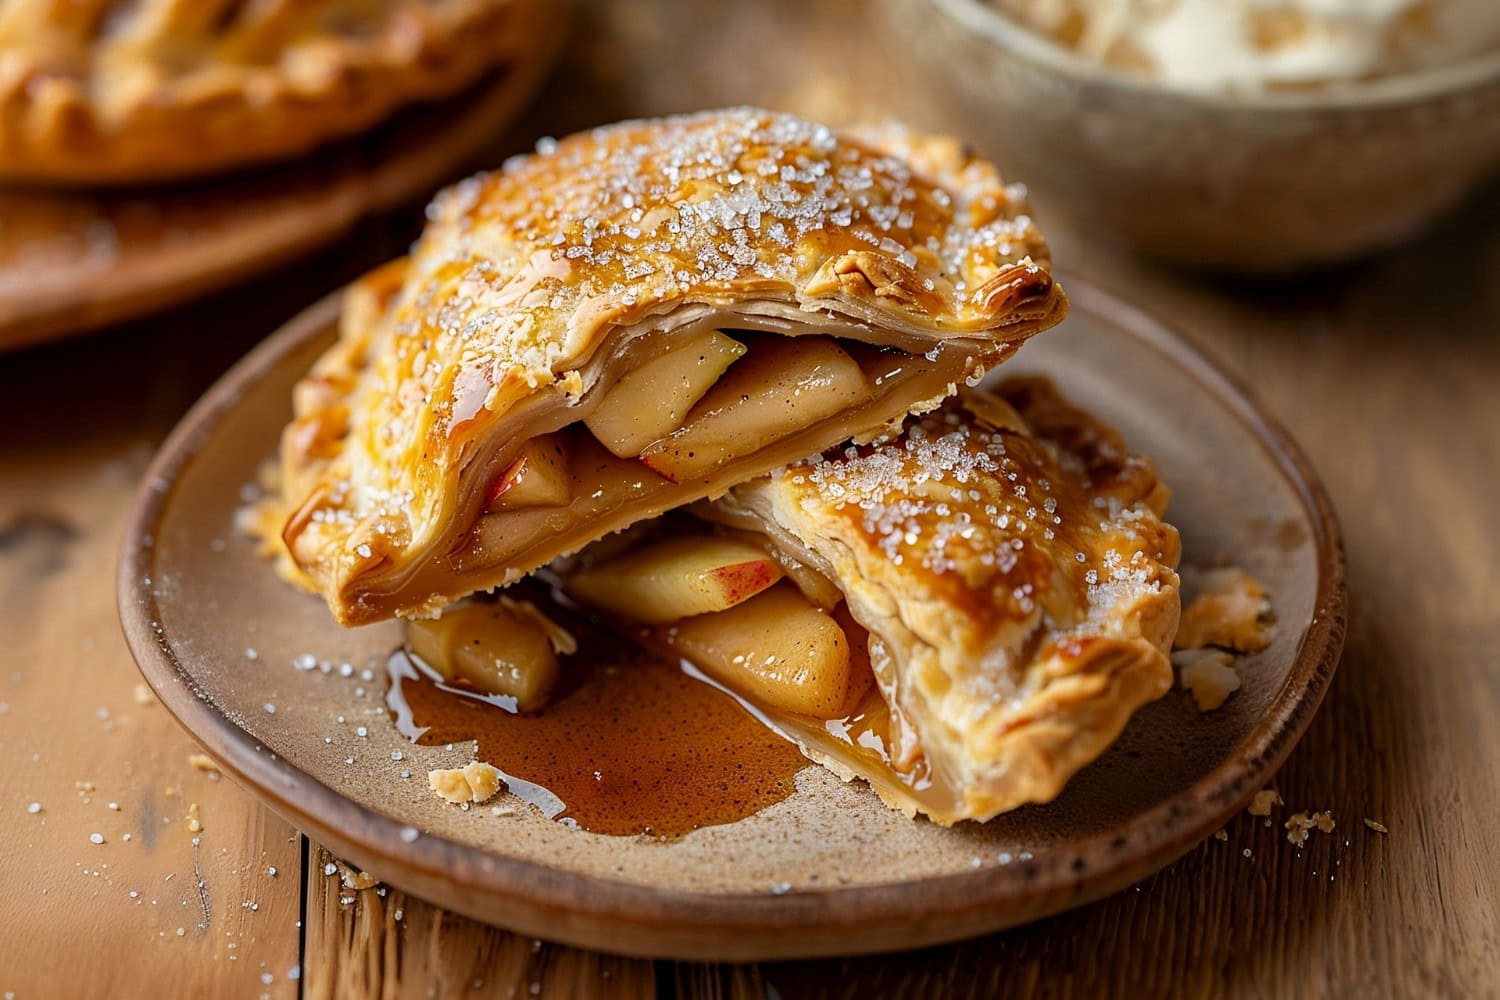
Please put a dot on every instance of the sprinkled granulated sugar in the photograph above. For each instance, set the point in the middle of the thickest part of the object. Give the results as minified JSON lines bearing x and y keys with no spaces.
{"x":518,"y":268}
{"x":990,"y":524}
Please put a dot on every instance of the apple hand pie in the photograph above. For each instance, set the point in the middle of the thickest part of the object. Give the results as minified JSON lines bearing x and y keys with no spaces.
{"x":964,"y":615}
{"x":633,"y":319}
{"x":112,"y":91}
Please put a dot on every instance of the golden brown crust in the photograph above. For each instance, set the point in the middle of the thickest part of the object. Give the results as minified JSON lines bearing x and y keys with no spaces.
{"x":531,"y":283}
{"x":108,"y":92}
{"x":1010,"y":564}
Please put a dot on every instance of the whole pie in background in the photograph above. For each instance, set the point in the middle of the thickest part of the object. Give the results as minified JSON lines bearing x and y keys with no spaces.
{"x":102,"y":92}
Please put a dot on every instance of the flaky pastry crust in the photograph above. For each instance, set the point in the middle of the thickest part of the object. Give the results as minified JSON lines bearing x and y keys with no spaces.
{"x":1008,"y":559}
{"x":532,"y":287}
{"x":109,"y":92}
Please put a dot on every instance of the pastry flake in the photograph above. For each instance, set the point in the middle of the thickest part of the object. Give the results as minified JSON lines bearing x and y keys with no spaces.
{"x":1225,"y":608}
{"x":1209,"y":674}
{"x":758,"y":287}
{"x":107,"y":92}
{"x":1009,"y":599}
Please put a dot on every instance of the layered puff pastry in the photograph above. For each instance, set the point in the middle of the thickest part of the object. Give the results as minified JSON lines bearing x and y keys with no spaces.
{"x":964,"y":615}
{"x":126,"y":91}
{"x":633,"y":319}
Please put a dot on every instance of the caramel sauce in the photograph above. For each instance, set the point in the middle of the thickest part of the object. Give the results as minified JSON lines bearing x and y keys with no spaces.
{"x":628,"y":744}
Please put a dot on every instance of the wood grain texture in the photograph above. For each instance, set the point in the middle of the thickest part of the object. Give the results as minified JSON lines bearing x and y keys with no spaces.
{"x":155,"y":901}
{"x":1384,"y":371}
{"x":380,"y":942}
{"x":78,"y":423}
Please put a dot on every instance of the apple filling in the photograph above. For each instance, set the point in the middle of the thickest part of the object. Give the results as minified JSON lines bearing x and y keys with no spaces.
{"x":729,"y":608}
{"x":508,"y":650}
{"x":775,"y":634}
{"x":710,"y":409}
{"x":762,"y":626}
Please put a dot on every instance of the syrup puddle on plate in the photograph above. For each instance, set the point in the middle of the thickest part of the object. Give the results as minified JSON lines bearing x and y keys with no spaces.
{"x":628,"y":743}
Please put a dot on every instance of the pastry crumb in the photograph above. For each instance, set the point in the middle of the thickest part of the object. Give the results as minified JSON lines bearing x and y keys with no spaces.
{"x":203,"y":762}
{"x":1221,"y":834}
{"x":1209,"y":674}
{"x":1230,"y":609}
{"x":1263,"y":801}
{"x":1299,"y":825}
{"x":143,"y":695}
{"x":475,"y":782}
{"x":357,"y":880}
{"x":194,"y":824}
{"x":1378,"y":827}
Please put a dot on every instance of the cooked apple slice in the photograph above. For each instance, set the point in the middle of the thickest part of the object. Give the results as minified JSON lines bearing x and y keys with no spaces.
{"x":651,"y":402}
{"x":537,"y":477}
{"x":775,"y":649}
{"x":820,"y":591}
{"x":677,"y":578}
{"x":598,"y":482}
{"x":783,"y":385}
{"x":498,"y":648}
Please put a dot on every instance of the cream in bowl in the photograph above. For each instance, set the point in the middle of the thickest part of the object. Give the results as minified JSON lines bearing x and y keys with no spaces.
{"x":1237,"y":134}
{"x":1255,"y":45}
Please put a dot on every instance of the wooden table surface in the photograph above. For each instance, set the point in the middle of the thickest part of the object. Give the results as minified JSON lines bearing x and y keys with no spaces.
{"x":1386,"y":372}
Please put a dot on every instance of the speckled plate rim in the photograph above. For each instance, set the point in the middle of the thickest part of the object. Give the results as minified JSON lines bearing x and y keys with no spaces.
{"x":633,"y":919}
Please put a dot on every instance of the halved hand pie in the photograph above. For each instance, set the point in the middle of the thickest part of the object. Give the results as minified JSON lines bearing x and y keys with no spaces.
{"x":124,"y":91}
{"x":964,"y":615}
{"x":632,"y":320}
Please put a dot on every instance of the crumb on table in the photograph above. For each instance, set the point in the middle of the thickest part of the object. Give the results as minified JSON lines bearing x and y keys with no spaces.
{"x":1264,"y":800}
{"x":1298,"y":825}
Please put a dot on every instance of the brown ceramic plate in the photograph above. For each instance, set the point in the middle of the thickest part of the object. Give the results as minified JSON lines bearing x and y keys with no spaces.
{"x":75,"y":260}
{"x":828,"y":870}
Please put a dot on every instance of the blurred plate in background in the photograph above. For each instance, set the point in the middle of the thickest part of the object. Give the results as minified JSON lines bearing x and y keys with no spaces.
{"x":75,"y":260}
